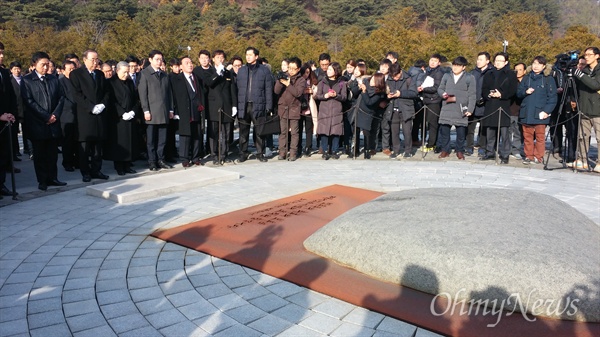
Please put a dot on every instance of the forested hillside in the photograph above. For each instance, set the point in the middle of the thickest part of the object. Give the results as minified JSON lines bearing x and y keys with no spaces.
{"x":282,"y":28}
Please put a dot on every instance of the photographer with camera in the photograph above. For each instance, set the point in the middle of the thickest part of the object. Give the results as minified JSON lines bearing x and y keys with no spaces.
{"x":589,"y":106}
{"x":289,"y":89}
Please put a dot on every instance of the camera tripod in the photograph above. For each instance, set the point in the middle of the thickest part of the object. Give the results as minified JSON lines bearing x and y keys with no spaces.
{"x":569,"y":150}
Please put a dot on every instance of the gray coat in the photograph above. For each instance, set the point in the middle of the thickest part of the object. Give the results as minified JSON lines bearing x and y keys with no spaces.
{"x":331,"y":116}
{"x":465,"y":92}
{"x":155,"y":95}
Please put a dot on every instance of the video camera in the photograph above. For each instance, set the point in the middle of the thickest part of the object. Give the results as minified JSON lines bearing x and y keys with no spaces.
{"x":282,"y":76}
{"x":568,"y":60}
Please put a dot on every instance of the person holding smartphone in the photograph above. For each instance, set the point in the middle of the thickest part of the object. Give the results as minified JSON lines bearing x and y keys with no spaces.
{"x":498,"y":88}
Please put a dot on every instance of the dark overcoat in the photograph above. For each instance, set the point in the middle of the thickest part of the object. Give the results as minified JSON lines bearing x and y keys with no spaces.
{"x":40,"y":104}
{"x":220,"y":93}
{"x":505,"y":81}
{"x":122,"y":143}
{"x":89,"y":92}
{"x":188,"y":104}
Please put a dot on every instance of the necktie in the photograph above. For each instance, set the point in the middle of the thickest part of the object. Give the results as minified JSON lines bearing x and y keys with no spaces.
{"x":93,"y":74}
{"x":46,"y":94}
{"x":193,"y":83}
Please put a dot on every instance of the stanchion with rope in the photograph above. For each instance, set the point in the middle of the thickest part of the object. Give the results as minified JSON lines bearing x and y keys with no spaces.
{"x":219,"y":139}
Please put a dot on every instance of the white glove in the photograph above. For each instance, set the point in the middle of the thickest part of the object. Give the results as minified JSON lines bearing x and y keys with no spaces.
{"x":98,"y":108}
{"x":233,"y":111}
{"x":176,"y":117}
{"x":220,"y":70}
{"x":128,"y":116}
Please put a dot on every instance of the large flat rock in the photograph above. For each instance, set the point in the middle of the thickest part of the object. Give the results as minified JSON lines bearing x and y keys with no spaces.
{"x":161,"y":184}
{"x":532,"y":251}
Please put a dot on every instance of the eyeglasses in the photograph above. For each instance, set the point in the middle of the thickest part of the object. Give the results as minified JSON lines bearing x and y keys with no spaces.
{"x":292,"y":68}
{"x":589,"y":54}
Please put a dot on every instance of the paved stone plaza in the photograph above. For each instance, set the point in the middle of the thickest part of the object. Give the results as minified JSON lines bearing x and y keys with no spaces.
{"x":74,"y":264}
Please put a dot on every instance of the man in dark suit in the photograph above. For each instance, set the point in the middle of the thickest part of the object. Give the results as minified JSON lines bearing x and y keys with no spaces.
{"x":91,"y":96}
{"x":15,"y":80}
{"x":68,"y":121}
{"x":43,"y":98}
{"x":157,"y":104}
{"x":188,"y":99}
{"x":8,"y":109}
{"x":221,"y":92}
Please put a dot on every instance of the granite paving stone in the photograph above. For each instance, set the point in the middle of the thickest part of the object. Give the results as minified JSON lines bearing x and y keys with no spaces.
{"x":238,"y":330}
{"x":49,"y":304}
{"x":284,"y":289}
{"x":269,"y":302}
{"x":126,"y":323}
{"x":185,"y":328}
{"x":104,"y":331}
{"x":53,"y":330}
{"x":246,"y":313}
{"x":86,"y":321}
{"x":334,"y":308}
{"x":44,"y":319}
{"x":270,"y":325}
{"x":396,"y":326}
{"x":364,"y":317}
{"x":80,"y":308}
{"x":321,"y":323}
{"x":348,"y":329}
{"x":119,"y":309}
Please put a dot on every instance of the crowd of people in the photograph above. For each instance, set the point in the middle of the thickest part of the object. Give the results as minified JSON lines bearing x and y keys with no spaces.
{"x":123,"y":111}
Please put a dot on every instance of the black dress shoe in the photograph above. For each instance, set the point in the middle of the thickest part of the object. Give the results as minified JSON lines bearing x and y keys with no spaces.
{"x":164,"y":165}
{"x":99,"y":175}
{"x":69,"y":168}
{"x":42,"y":186}
{"x":153,"y":167}
{"x":487,"y":157}
{"x":261,"y":158}
{"x":121,"y":173}
{"x":504,"y":160}
{"x":5,"y":191}
{"x":243,"y":157}
{"x":56,"y":182}
{"x":130,"y":170}
{"x":86,"y":178}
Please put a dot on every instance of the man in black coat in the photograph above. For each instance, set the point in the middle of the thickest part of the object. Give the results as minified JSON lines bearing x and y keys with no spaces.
{"x":188,"y":100}
{"x":91,"y":95}
{"x":68,"y":121}
{"x":8,"y":110}
{"x":497,"y":90}
{"x":15,"y":80}
{"x":221,"y":91}
{"x":43,"y":99}
{"x":433,"y":101}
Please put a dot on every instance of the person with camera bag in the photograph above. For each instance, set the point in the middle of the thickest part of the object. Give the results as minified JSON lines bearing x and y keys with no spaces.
{"x":589,"y":105}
